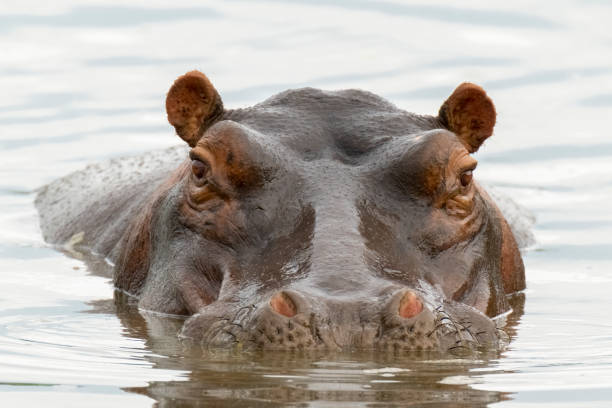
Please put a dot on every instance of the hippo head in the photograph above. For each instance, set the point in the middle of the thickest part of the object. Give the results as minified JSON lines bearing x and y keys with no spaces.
{"x":323,"y":219}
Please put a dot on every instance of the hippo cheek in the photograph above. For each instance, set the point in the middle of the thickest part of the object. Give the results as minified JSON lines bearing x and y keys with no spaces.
{"x":462,"y":328}
{"x":289,"y":320}
{"x":215,"y":326}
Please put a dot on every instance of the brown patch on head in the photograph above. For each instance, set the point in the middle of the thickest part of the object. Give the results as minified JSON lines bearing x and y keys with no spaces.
{"x":470,"y":114}
{"x":133,"y":261}
{"x":432,"y":177}
{"x":440,"y":169}
{"x":512,"y":268}
{"x":235,"y":165}
{"x":193,"y":105}
{"x":422,"y":169}
{"x":234,"y":160}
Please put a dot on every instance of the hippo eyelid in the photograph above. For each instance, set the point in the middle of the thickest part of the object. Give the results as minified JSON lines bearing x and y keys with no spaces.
{"x":465,"y":163}
{"x":194,"y":156}
{"x":468,"y":167}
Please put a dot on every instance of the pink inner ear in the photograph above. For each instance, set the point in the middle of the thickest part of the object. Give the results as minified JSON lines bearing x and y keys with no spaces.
{"x":192,"y":105}
{"x":282,"y":304}
{"x":470,"y":114}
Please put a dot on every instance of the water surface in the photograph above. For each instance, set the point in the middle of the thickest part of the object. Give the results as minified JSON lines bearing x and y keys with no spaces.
{"x":81,"y":83}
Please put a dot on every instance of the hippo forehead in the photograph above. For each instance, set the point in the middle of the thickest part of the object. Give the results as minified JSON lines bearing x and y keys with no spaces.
{"x":331,"y":139}
{"x":337,"y":125}
{"x":342,"y":180}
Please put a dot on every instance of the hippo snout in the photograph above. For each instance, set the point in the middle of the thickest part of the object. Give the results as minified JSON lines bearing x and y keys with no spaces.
{"x":291,"y":320}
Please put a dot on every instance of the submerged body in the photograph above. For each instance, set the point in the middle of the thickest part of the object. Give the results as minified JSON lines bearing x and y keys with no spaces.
{"x":312,"y":220}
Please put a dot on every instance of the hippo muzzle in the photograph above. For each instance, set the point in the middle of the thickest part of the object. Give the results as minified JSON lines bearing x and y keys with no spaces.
{"x":398,"y":322}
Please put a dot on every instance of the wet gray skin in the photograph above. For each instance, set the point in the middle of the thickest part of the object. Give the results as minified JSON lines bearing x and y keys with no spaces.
{"x":313,"y":220}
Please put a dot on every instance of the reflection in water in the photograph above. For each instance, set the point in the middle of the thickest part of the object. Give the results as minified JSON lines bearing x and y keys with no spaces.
{"x":276,"y":377}
{"x":82,"y":83}
{"x":244,"y":378}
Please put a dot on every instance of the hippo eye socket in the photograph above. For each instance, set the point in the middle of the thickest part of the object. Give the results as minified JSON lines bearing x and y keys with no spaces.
{"x":199,"y":169}
{"x":466,"y":178}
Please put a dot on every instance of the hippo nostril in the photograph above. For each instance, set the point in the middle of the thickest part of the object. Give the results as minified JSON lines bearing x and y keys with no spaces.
{"x":282,"y":304}
{"x":410,"y":305}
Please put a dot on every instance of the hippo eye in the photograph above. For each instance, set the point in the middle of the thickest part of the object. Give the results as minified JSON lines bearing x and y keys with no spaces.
{"x":199,"y":169}
{"x":466,"y":178}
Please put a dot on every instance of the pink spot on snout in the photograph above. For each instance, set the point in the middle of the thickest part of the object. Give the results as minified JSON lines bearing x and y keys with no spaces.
{"x":282,"y":304}
{"x":410,"y":305}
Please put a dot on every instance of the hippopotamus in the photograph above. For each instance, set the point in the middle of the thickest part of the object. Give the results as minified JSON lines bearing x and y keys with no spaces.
{"x":312,"y":220}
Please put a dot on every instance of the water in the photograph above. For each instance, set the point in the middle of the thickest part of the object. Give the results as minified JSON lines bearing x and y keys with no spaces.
{"x":81,"y":83}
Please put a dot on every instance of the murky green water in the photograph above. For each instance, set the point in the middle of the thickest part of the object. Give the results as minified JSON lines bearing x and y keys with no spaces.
{"x":80,"y":83}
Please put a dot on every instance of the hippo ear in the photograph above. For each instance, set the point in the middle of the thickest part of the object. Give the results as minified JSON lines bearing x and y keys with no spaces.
{"x":193,"y":105}
{"x":470,"y":114}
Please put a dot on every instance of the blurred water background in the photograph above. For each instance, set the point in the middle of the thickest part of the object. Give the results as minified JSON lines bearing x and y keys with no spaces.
{"x":85,"y":81}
